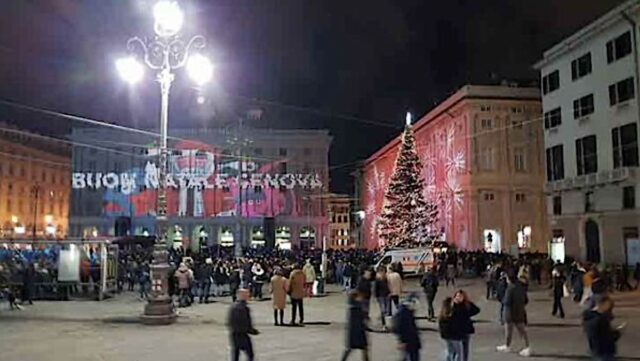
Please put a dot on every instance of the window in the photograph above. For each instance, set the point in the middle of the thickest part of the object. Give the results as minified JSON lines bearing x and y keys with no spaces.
{"x":488,"y":158}
{"x":550,"y":82}
{"x":557,"y":205}
{"x":521,"y":198}
{"x":583,"y":106}
{"x":516,"y":110}
{"x":486,"y":123}
{"x":625,"y":146}
{"x":621,"y":91}
{"x":629,"y":197}
{"x":306,"y":151}
{"x":283,"y":168}
{"x":257,"y":151}
{"x":586,"y":155}
{"x":485,"y":108}
{"x":581,"y":66}
{"x":552,"y":118}
{"x":588,"y":202}
{"x":488,"y":196}
{"x":619,"y":47}
{"x":555,"y":163}
{"x":519,"y":159}
{"x":282,"y":152}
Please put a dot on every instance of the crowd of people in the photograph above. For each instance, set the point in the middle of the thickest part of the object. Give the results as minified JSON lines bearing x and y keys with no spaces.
{"x":27,"y":274}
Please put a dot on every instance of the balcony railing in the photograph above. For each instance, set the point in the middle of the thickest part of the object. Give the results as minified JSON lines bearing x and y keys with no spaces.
{"x":591,"y":180}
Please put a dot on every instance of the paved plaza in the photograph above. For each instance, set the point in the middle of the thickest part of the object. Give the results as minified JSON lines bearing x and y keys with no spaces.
{"x":87,"y":331}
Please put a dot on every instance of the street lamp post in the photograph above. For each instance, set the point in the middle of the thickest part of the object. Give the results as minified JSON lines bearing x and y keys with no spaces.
{"x":35,"y":190}
{"x":164,"y":53}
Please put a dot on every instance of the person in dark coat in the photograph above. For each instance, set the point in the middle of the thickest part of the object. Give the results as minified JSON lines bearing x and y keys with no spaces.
{"x":463,"y":310}
{"x":356,"y":327}
{"x":204,"y":274}
{"x":240,"y":327}
{"x":557,"y":285}
{"x":364,"y":289}
{"x":404,"y":326}
{"x":450,"y":331}
{"x":515,"y":314}
{"x":381,"y":289}
{"x":234,"y":283}
{"x":430,"y":285}
{"x":501,"y":290}
{"x":601,"y":336}
{"x":28,"y":277}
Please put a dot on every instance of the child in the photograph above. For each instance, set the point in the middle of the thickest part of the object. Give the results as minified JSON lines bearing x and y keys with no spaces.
{"x":450,"y":332}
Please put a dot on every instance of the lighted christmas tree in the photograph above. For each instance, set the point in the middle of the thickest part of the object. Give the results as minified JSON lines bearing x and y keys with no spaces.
{"x":407,"y":219}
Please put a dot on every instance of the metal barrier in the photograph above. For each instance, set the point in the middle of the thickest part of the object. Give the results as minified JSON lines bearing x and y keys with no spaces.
{"x":61,"y":267}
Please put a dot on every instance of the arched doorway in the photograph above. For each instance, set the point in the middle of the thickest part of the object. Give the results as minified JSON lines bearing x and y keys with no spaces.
{"x":592,"y":241}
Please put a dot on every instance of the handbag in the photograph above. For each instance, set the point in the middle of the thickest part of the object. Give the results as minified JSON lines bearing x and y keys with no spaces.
{"x":565,"y":291}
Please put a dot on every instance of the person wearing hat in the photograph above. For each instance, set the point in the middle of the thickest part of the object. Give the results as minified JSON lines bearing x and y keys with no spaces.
{"x":404,"y":326}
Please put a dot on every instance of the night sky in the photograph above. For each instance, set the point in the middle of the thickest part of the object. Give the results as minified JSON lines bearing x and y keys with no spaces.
{"x":353,"y":67}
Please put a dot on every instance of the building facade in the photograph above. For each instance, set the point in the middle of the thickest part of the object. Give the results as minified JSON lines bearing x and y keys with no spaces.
{"x":481,"y":151}
{"x":35,"y":185}
{"x":340,"y":222}
{"x":591,"y":112}
{"x":251,"y":187}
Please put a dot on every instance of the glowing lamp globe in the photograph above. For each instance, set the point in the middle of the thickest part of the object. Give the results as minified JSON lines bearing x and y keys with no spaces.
{"x":130,"y":69}
{"x":199,"y":68}
{"x":168,"y":18}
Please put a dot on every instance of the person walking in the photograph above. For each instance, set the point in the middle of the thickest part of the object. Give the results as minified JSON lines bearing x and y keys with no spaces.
{"x":144,"y":279}
{"x":234,"y":282}
{"x":404,"y":326}
{"x":356,"y":327}
{"x":185,"y":278}
{"x":381,"y":290}
{"x":451,"y":274}
{"x":279,"y":297}
{"x":557,"y":284}
{"x":430,"y":285}
{"x":463,"y":310}
{"x":257,"y":280}
{"x":395,"y":287}
{"x":310,"y":277}
{"x":450,"y":331}
{"x":515,"y":315}
{"x":347,"y":272}
{"x":28,"y":278}
{"x":501,"y":290}
{"x":601,"y":337}
{"x":204,"y":277}
{"x":364,"y":292}
{"x":296,"y":293}
{"x":240,"y":327}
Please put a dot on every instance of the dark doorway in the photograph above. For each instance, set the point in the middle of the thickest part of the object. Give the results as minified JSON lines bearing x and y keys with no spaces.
{"x":592,"y":240}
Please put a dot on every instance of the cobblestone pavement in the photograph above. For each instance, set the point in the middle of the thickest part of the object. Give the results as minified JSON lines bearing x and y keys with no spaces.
{"x":87,"y":331}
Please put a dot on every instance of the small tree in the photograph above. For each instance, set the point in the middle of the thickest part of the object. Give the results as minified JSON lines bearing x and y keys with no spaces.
{"x":407,"y":219}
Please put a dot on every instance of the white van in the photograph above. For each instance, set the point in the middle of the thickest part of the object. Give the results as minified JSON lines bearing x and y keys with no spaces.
{"x":410,"y":258}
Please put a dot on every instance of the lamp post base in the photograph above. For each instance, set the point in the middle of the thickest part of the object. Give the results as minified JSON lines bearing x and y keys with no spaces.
{"x":159,"y":310}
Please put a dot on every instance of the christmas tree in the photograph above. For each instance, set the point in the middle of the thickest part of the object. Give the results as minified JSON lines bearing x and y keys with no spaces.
{"x":407,"y":219}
